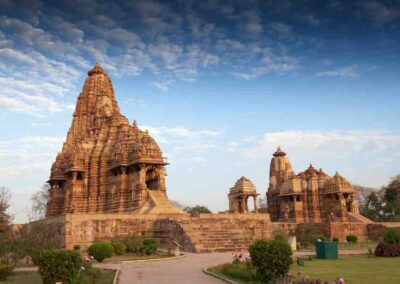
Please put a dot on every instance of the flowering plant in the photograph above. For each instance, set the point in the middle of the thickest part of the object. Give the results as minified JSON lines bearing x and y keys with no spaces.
{"x":87,"y":262}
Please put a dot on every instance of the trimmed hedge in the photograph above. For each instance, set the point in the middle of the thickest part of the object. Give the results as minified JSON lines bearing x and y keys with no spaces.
{"x":101,"y":250}
{"x":272,"y":259}
{"x":132,"y":243}
{"x":119,"y":248}
{"x":351,"y":238}
{"x":77,"y":247}
{"x":59,"y":266}
{"x":392,"y":236}
{"x":387,"y":250}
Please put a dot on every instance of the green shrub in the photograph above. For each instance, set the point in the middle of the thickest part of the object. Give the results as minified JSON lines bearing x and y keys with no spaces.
{"x":77,"y":247}
{"x":5,"y":270}
{"x":119,"y":247}
{"x":272,"y":259}
{"x":132,"y":243}
{"x":280,"y":237}
{"x":240,"y":271}
{"x":392,"y":236}
{"x":59,"y":266}
{"x":351,"y":239}
{"x":149,"y":246}
{"x":335,"y":239}
{"x":307,"y":234}
{"x":101,"y":250}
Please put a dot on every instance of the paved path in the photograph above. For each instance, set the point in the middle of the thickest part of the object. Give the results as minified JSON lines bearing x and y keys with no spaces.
{"x":185,"y":270}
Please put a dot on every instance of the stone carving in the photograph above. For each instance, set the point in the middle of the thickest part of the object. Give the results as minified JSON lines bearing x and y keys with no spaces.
{"x":106,"y":165}
{"x":307,"y":197}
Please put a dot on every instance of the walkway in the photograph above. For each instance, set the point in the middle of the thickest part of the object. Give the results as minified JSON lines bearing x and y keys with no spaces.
{"x":184,"y":270}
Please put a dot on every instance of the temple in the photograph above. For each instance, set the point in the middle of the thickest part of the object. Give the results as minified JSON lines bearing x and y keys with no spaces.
{"x":308,"y":197}
{"x":106,"y":165}
{"x":239,"y":194}
{"x":108,"y":181}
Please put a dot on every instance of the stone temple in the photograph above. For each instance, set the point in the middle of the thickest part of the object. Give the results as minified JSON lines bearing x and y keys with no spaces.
{"x":106,"y":165}
{"x":308,"y":197}
{"x":108,"y":181}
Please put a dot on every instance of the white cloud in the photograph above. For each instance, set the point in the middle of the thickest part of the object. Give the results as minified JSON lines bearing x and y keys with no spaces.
{"x":345,"y":72}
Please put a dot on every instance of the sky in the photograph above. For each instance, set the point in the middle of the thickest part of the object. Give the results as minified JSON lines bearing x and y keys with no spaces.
{"x":219,"y":84}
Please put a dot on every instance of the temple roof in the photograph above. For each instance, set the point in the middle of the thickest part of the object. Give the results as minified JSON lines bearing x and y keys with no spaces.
{"x":243,"y":186}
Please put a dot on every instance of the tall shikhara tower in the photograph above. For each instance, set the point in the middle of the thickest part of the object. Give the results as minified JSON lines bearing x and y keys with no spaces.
{"x":106,"y":164}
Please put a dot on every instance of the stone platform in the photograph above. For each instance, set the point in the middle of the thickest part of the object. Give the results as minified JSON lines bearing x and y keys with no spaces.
{"x":201,"y":234}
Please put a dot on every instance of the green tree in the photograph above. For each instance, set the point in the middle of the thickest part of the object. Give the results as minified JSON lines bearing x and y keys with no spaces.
{"x":5,"y":216}
{"x":392,"y":200}
{"x":372,"y":207}
{"x":196,"y":209}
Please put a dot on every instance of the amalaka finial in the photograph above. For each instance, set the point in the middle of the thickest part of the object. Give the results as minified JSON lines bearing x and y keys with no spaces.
{"x":147,"y":131}
{"x":135,"y":123}
{"x":279,"y":152}
{"x":96,"y":70}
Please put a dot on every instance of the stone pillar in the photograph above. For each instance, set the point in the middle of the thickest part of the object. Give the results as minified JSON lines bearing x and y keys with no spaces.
{"x":122,"y":193}
{"x":255,"y":203}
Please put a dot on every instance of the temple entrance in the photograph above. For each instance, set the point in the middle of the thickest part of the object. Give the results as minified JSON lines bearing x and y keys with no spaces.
{"x":152,"y":179}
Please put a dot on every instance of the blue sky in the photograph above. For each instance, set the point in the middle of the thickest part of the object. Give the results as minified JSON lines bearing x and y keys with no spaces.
{"x":219,"y":84}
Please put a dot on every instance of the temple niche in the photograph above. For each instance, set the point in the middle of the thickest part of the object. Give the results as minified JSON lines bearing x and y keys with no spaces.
{"x":106,"y":165}
{"x":239,"y":195}
{"x":308,"y":197}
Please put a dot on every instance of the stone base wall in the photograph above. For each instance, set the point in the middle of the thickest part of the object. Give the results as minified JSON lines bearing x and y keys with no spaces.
{"x":203,"y":233}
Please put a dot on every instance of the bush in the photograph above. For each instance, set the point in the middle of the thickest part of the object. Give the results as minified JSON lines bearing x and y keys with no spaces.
{"x":149,"y":246}
{"x":272,"y":259}
{"x":119,"y":247}
{"x":59,"y":266}
{"x":387,"y":250}
{"x":335,"y":239}
{"x":132,"y":243}
{"x":5,"y":270}
{"x":392,"y":236}
{"x":280,"y":237}
{"x":307,"y":234}
{"x":77,"y":247}
{"x":101,"y":250}
{"x":351,"y":239}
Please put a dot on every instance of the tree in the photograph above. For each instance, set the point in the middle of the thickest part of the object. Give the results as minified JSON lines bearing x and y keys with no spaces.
{"x":5,"y":197}
{"x":372,"y":207}
{"x":392,"y":199}
{"x":37,"y":210}
{"x":196,"y":209}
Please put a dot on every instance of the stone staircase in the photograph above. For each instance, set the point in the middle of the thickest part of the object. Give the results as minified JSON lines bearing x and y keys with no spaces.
{"x":220,"y":234}
{"x":356,"y":217}
{"x":157,"y":203}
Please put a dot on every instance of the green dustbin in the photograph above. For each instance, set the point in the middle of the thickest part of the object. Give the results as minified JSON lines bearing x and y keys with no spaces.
{"x":327,"y":250}
{"x":300,"y":261}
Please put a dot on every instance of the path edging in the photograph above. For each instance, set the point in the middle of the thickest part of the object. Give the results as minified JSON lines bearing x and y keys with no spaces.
{"x":154,"y":259}
{"x":208,"y":272}
{"x":115,"y":281}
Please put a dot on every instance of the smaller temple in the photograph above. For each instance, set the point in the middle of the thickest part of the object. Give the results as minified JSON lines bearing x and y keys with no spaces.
{"x":308,"y":197}
{"x":239,"y":195}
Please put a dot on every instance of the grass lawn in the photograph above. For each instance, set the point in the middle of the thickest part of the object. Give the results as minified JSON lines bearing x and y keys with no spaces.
{"x":107,"y":277}
{"x":346,"y":246}
{"x":357,"y":269}
{"x":354,"y":269}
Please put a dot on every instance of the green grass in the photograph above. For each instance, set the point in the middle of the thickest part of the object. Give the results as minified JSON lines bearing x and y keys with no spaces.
{"x":357,"y":269}
{"x":106,"y":277}
{"x":354,"y":269}
{"x":346,"y":246}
